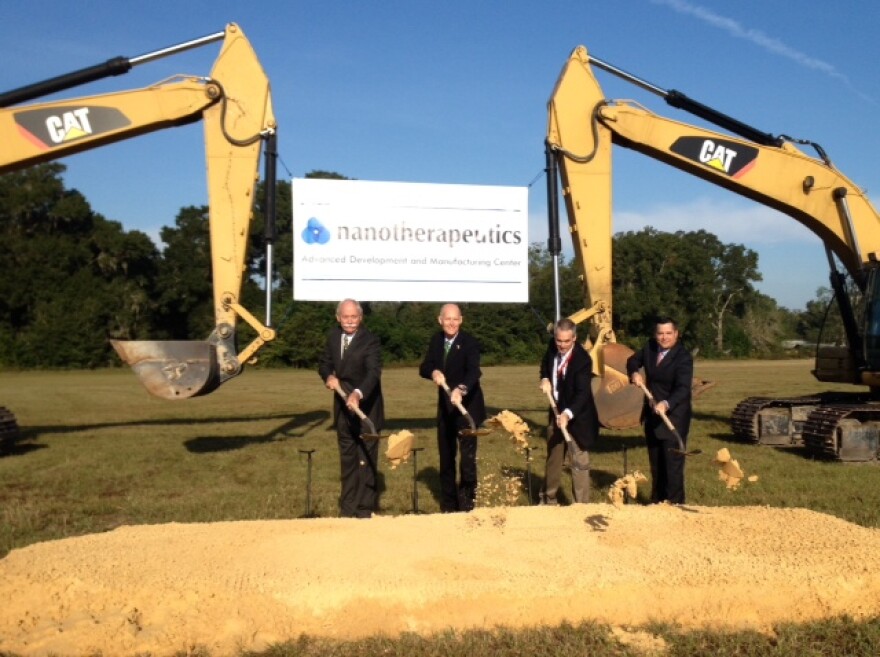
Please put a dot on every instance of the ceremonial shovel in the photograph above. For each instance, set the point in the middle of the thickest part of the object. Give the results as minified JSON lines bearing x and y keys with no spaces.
{"x":565,"y":433}
{"x":371,"y":433}
{"x":681,"y":450}
{"x":472,"y":430}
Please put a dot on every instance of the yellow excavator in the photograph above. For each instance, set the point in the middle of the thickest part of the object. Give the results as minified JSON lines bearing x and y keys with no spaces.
{"x":235,"y":104}
{"x":583,"y":126}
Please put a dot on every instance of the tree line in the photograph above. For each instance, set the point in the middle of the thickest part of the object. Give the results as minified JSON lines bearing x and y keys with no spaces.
{"x":71,"y":279}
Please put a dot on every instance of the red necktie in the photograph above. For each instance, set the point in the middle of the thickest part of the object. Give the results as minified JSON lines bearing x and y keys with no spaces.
{"x":563,"y":362}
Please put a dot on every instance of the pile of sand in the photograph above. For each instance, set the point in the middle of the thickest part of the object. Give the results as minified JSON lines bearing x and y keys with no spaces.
{"x":169,"y":588}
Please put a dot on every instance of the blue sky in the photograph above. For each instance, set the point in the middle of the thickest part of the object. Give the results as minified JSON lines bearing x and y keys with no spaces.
{"x":456,"y":92}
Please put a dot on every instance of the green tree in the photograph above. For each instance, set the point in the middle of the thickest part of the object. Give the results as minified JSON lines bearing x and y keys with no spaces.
{"x":71,"y":278}
{"x":691,"y":276}
{"x":185,"y":299}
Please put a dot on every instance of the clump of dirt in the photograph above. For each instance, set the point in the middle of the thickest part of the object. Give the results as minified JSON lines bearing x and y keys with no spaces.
{"x":514,"y":425}
{"x":399,"y":448}
{"x":231,"y":586}
{"x":626,"y":486}
{"x":730,"y":472}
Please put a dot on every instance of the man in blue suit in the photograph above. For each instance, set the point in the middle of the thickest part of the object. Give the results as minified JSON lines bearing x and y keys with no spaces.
{"x":666,"y":368}
{"x":454,"y":355}
{"x":352,"y":360}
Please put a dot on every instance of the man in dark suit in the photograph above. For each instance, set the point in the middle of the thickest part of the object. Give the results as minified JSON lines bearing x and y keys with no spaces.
{"x":352,"y":359}
{"x":668,"y":374}
{"x":454,"y":355}
{"x":566,"y":374}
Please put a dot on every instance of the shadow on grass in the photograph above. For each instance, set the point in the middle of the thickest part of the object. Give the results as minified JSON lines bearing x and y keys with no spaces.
{"x":38,"y":431}
{"x":296,"y":427}
{"x":430,"y":476}
{"x":711,"y":417}
{"x":21,"y":444}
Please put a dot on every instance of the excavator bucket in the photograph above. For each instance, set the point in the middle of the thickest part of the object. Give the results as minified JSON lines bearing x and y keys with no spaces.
{"x":618,"y":403}
{"x":172,"y":369}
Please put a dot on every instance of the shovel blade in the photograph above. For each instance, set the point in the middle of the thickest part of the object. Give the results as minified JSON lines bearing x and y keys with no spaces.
{"x":370,"y":433}
{"x":172,"y":369}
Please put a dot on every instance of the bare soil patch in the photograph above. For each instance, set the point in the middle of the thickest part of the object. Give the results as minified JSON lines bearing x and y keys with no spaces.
{"x":227,"y":586}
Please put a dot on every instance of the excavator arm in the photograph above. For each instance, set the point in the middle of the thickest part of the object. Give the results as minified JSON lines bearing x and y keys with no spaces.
{"x":235,"y":104}
{"x":582,"y":128}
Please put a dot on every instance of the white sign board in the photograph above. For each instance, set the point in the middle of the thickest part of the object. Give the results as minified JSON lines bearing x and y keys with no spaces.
{"x":391,"y":241}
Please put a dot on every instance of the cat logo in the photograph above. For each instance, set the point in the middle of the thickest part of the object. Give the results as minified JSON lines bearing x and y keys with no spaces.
{"x":63,"y":125}
{"x":728,"y":157}
{"x":69,"y":125}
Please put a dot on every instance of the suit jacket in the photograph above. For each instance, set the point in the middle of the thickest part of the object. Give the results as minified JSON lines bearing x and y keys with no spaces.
{"x":669,"y":381}
{"x":575,"y":393}
{"x":361,"y":368}
{"x":462,"y":367}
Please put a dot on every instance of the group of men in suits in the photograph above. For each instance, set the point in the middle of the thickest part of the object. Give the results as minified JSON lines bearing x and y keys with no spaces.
{"x":352,"y":363}
{"x":663,"y":365}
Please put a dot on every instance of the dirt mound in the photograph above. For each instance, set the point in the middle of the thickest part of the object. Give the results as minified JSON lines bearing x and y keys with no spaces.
{"x":168,"y":588}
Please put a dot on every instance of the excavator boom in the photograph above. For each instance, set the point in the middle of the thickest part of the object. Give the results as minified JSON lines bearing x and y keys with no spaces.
{"x":234,"y":103}
{"x":583,"y":126}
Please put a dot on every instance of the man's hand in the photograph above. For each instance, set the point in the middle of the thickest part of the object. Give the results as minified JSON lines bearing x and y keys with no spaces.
{"x":562,"y":420}
{"x":637,"y":379}
{"x":546,"y":386}
{"x":455,"y":397}
{"x":353,"y":400}
{"x":438,"y":377}
{"x":332,"y":382}
{"x":661,"y":408}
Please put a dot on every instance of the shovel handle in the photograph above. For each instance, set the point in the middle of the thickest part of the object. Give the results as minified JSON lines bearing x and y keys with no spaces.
{"x":356,"y":409}
{"x":647,"y":392}
{"x":555,"y":410}
{"x":458,"y":405}
{"x":445,"y":386}
{"x":668,"y":423}
{"x":664,"y":417}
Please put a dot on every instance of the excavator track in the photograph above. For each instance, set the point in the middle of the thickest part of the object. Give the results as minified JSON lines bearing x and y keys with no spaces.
{"x":8,"y":429}
{"x":846,"y":432}
{"x":842,"y":426}
{"x":767,"y":420}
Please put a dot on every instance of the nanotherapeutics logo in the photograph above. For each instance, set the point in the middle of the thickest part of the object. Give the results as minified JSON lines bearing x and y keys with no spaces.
{"x":315,"y":232}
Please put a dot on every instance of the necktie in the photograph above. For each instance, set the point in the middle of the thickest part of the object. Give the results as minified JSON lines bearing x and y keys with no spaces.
{"x":346,"y":340}
{"x":560,"y":368}
{"x":660,"y":355}
{"x":446,"y":347}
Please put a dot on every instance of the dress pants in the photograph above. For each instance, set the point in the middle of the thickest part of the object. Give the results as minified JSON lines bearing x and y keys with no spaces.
{"x":461,"y":496}
{"x":357,"y":460}
{"x":667,"y":471}
{"x":579,"y":460}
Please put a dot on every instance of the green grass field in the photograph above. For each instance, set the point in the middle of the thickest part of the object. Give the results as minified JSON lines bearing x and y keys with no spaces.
{"x":98,"y":452}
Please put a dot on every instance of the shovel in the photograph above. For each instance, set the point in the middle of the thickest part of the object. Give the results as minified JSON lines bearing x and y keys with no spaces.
{"x":681,"y":449}
{"x":371,"y":433}
{"x":553,"y":406}
{"x":472,"y":430}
